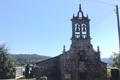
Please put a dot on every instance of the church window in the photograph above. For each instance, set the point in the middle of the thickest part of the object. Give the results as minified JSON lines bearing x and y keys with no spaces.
{"x":77,"y":30}
{"x":84,"y":31}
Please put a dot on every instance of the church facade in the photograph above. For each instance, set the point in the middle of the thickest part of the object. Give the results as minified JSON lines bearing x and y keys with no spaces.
{"x":80,"y":62}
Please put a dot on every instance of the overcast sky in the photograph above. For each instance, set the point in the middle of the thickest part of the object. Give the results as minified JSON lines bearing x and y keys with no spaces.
{"x":44,"y":26}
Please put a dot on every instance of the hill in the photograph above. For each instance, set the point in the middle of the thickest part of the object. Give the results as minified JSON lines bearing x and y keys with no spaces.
{"x":109,"y":61}
{"x":22,"y":59}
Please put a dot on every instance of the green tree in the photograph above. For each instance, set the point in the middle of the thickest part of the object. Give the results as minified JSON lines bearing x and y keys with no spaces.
{"x":7,"y":68}
{"x":116,"y":60}
{"x":27,"y":71}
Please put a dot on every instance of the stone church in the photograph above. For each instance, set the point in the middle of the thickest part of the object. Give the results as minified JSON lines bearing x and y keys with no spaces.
{"x":80,"y":62}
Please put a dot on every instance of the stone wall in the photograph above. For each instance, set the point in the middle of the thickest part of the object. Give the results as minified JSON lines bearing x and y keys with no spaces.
{"x":115,"y":74}
{"x":19,"y":72}
{"x":48,"y":68}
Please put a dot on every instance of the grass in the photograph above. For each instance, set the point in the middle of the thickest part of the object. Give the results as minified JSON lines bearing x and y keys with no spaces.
{"x":19,"y":79}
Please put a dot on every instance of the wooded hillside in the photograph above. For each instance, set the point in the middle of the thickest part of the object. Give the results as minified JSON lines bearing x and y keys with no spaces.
{"x":22,"y":59}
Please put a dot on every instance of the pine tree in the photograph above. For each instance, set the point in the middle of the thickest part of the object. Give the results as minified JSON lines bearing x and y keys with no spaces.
{"x":7,"y":68}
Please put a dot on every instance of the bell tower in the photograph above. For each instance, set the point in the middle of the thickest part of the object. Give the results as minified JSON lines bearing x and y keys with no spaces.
{"x":80,"y":30}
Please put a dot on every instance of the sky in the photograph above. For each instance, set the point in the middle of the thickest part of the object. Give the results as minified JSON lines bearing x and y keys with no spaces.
{"x":43,"y":26}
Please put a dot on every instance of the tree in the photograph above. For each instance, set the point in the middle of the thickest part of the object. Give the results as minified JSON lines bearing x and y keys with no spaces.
{"x":7,"y":68}
{"x":27,"y":71}
{"x":32,"y":72}
{"x":116,"y":60}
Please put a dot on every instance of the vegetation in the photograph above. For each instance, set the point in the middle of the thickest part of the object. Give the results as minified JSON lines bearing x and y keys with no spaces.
{"x":116,"y":60}
{"x":23,"y":59}
{"x":27,"y":71}
{"x":7,"y":67}
{"x":109,"y":73}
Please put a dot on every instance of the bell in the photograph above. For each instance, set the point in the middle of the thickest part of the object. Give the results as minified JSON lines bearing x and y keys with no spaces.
{"x":84,"y":29}
{"x":77,"y":29}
